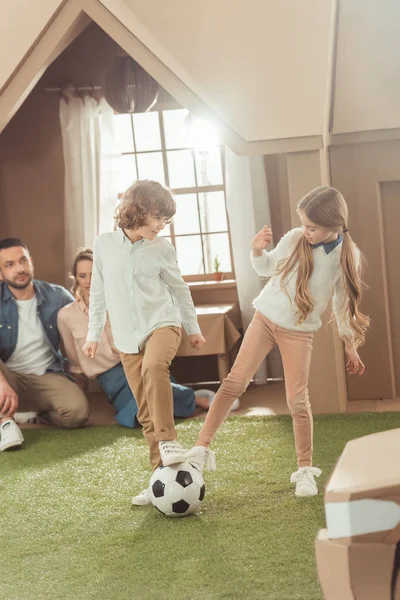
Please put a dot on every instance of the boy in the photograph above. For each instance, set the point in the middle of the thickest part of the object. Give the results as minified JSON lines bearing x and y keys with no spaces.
{"x":136,"y":278}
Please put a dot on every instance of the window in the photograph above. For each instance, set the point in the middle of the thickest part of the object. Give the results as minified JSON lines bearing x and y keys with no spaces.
{"x":172,"y":147}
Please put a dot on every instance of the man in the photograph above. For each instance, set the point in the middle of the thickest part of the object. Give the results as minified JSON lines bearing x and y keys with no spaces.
{"x":31,"y":366}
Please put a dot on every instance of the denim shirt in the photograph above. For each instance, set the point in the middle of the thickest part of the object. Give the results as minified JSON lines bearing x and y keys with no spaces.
{"x":50,"y":299}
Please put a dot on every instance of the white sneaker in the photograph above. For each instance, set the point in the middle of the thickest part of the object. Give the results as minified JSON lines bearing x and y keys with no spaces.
{"x":11,"y":435}
{"x":304,"y":480}
{"x":235,"y":405}
{"x":201,"y":457}
{"x":143,"y":499}
{"x":25,"y":417}
{"x":211,"y":395}
{"x":171,"y":452}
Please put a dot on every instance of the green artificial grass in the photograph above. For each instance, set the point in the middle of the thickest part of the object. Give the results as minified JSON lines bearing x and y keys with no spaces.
{"x":68,"y":531}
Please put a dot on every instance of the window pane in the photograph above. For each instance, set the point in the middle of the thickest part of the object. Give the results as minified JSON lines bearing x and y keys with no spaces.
{"x":212,"y":212}
{"x":209,"y":167}
{"x":127,"y":172}
{"x":123,"y":133}
{"x":186,"y":219}
{"x":151,"y":166}
{"x":189,"y":253}
{"x":147,"y":131}
{"x":181,"y":169}
{"x":217,"y":244}
{"x":176,"y":135}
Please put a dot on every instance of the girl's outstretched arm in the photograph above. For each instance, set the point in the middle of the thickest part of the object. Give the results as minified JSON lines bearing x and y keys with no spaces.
{"x":266,"y":263}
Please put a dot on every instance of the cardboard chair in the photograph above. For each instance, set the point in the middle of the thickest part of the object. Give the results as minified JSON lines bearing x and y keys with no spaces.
{"x":358,"y":554}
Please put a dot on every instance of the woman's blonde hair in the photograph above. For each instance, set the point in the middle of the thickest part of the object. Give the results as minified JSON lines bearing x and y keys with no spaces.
{"x":326,"y":207}
{"x":141,"y":199}
{"x":82,"y":254}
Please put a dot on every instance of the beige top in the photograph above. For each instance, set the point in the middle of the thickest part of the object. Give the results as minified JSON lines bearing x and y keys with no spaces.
{"x":73,"y":325}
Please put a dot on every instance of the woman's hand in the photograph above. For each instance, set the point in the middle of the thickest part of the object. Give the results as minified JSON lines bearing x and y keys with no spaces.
{"x":354,"y":363}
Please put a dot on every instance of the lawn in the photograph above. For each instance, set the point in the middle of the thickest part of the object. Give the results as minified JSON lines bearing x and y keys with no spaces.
{"x":69,"y":531}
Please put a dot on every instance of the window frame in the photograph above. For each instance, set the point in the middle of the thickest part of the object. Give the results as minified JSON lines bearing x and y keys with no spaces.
{"x":227,"y":275}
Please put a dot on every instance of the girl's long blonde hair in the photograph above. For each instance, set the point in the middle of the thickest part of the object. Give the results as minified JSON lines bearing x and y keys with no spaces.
{"x":326,"y":207}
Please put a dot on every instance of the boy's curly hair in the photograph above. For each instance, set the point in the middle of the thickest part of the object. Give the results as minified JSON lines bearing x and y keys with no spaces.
{"x":141,"y":199}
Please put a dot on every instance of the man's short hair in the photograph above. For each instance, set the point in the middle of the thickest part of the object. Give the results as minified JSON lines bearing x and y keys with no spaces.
{"x":12,"y":243}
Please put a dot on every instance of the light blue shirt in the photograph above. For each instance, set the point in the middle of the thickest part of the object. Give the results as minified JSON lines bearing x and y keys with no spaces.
{"x":141,"y":287}
{"x":329,"y":246}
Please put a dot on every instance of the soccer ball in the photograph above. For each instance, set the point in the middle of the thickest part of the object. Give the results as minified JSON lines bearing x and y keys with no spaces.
{"x":177,"y":490}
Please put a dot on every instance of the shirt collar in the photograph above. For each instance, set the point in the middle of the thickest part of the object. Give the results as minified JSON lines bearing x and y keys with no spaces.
{"x":125,"y":240}
{"x":329,"y":246}
{"x":121,"y":235}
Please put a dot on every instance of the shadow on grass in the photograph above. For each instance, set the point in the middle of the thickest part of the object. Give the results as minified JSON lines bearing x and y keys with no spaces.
{"x":45,"y":447}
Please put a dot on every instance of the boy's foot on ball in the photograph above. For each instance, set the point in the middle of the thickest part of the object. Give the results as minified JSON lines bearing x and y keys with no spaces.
{"x":171,"y":453}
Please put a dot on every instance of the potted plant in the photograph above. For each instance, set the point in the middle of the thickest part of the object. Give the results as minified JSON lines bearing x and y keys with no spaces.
{"x":218,"y":276}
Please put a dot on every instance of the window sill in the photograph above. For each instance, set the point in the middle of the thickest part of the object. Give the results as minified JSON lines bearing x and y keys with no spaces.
{"x":206,"y":285}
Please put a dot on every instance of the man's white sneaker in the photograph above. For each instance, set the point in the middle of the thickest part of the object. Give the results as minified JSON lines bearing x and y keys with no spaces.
{"x":25,"y":417}
{"x":142,"y":499}
{"x":304,"y":480}
{"x":201,"y":457}
{"x":11,"y":435}
{"x":171,"y":453}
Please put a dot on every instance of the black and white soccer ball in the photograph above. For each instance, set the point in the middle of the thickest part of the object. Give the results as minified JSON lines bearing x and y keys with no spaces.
{"x":177,"y":490}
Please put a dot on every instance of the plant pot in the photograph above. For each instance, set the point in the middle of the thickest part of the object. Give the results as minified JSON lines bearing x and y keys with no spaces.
{"x":218,"y":276}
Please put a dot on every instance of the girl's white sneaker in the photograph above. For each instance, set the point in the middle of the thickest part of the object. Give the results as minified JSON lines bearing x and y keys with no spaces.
{"x":201,"y":457}
{"x":305,"y":482}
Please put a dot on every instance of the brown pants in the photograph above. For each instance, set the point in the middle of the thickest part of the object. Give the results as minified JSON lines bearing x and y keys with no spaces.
{"x":148,"y":376}
{"x":295,"y":348}
{"x":58,"y":399}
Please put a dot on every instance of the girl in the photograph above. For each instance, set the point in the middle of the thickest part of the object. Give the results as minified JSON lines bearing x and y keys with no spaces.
{"x":106,"y":367}
{"x":304,"y":269}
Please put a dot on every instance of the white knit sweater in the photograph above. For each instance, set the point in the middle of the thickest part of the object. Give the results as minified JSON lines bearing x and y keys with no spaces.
{"x":326,"y":278}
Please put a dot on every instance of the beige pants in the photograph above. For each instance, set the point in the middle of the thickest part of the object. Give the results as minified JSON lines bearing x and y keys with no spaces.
{"x":148,"y":376}
{"x":53,"y":395}
{"x":295,"y":348}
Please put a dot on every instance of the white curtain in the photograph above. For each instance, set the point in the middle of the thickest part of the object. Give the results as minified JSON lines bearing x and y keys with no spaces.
{"x":91,"y":171}
{"x":248,"y":210}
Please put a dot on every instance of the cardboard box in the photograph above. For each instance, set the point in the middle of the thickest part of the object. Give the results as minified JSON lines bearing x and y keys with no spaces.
{"x":358,"y":554}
